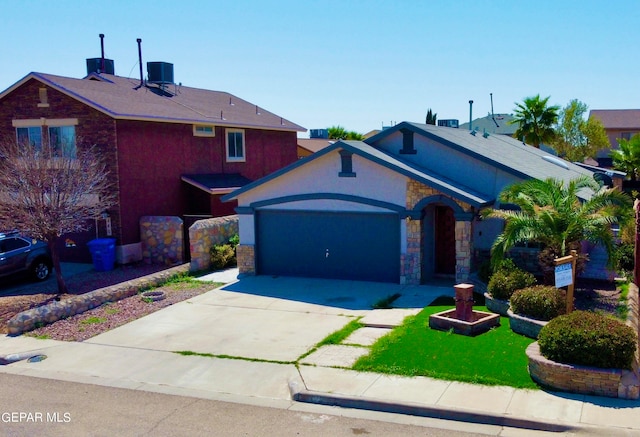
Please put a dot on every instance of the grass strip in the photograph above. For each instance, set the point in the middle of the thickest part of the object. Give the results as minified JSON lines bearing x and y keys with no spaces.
{"x":336,"y":337}
{"x":496,"y":357}
{"x":230,"y":357}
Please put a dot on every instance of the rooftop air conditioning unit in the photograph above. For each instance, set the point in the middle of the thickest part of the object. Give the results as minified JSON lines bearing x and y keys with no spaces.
{"x":94,"y":65}
{"x":160,"y":73}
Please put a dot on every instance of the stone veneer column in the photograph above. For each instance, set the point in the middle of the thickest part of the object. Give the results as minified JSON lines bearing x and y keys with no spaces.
{"x":246,"y":256}
{"x":411,"y":261}
{"x":463,"y":250}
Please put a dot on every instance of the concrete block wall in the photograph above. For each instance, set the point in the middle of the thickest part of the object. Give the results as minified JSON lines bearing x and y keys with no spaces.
{"x":162,"y":240}
{"x":206,"y":233}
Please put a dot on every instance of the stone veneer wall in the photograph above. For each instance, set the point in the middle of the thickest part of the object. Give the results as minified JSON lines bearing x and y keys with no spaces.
{"x":206,"y":233}
{"x":245,"y":254}
{"x":162,"y":240}
{"x":616,"y":383}
{"x":30,"y":319}
{"x":411,"y":262}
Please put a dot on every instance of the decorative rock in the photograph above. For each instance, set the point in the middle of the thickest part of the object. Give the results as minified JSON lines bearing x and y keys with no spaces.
{"x":28,"y":320}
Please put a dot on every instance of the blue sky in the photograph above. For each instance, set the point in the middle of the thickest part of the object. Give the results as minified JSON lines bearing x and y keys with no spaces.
{"x":359,"y":64}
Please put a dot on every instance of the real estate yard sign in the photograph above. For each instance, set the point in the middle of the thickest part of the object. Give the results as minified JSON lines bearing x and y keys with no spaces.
{"x":566,"y":275}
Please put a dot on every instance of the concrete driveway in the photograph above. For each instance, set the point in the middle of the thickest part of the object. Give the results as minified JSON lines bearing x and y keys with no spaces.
{"x":261,"y":317}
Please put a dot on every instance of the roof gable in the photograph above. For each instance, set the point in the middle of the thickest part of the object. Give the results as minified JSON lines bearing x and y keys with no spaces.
{"x":123,"y":98}
{"x":499,"y":151}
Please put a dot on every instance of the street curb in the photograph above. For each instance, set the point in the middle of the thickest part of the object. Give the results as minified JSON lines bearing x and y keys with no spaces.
{"x":300,"y":394}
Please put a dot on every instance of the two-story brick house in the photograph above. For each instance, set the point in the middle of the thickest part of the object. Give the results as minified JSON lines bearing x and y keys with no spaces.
{"x":171,"y":150}
{"x":618,"y":124}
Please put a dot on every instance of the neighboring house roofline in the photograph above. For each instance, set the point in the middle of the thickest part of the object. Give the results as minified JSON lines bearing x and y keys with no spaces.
{"x":285,"y":125}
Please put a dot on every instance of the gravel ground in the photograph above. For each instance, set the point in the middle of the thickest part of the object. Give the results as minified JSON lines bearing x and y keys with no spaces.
{"x":24,"y":294}
{"x":111,"y":315}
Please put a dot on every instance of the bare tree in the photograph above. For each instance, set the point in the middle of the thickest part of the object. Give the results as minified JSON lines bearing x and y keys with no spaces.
{"x":46,"y":192}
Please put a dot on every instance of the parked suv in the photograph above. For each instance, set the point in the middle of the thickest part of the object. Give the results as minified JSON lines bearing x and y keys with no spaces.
{"x":21,"y":254}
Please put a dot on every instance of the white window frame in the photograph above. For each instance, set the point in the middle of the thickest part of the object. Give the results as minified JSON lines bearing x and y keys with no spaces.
{"x":230,"y":158}
{"x":199,"y":130}
{"x":49,"y":123}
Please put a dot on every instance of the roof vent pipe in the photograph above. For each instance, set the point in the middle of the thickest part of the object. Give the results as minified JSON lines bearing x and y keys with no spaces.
{"x":139,"y":40}
{"x":101,"y":52}
{"x":470,"y":114}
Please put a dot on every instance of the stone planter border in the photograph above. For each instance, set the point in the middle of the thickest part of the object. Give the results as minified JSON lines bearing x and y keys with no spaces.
{"x":54,"y":311}
{"x":524,"y":325}
{"x":614,"y":383}
{"x":497,"y":306}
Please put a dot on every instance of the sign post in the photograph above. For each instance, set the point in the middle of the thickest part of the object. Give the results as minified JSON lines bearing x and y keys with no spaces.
{"x":565,"y":273}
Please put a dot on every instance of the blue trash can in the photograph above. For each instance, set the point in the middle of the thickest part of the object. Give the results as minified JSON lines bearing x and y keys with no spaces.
{"x":103,"y":253}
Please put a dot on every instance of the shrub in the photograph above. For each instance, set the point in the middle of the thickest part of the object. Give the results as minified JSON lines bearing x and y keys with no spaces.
{"x":588,"y":339}
{"x":505,"y":281}
{"x":623,"y":258}
{"x":222,"y":255}
{"x":542,"y":302}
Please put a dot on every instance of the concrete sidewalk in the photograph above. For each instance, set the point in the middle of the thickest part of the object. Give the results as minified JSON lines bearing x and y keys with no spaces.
{"x":268,"y":323}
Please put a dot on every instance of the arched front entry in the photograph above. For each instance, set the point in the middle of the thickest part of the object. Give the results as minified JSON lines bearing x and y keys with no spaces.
{"x":438,"y":242}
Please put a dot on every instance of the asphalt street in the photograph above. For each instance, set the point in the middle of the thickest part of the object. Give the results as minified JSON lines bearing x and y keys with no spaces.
{"x":45,"y":407}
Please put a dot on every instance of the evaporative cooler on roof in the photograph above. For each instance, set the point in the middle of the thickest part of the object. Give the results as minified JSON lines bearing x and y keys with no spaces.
{"x":160,"y":73}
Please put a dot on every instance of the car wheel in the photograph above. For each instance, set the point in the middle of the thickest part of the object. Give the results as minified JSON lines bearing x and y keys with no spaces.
{"x":41,"y":269}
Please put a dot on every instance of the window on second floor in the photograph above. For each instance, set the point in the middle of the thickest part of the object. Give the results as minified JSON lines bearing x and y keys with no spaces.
{"x":235,"y":145}
{"x":203,"y":130}
{"x":61,"y":138}
{"x":63,"y":141}
{"x":30,"y":135}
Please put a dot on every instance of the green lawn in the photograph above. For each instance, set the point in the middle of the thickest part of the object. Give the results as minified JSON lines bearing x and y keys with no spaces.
{"x":496,"y":357}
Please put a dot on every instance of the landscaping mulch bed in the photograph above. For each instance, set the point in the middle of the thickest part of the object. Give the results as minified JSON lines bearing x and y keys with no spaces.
{"x":111,"y":315}
{"x":24,"y":295}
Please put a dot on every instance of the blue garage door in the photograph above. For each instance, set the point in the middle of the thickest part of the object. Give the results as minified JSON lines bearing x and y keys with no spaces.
{"x":357,"y":246}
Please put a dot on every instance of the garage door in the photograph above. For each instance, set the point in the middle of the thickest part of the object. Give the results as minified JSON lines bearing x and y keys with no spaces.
{"x":358,"y":246}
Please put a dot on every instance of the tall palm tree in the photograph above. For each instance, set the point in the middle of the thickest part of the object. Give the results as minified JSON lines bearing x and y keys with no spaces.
{"x":535,"y":120}
{"x":627,"y":157}
{"x":552,"y":214}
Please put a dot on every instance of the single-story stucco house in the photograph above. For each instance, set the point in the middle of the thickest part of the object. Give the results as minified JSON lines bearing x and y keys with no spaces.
{"x":402,"y":206}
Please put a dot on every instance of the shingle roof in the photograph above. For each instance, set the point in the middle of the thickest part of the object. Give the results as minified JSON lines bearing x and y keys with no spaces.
{"x":314,"y":144}
{"x":488,"y":124}
{"x":457,"y":190}
{"x":502,"y":151}
{"x":216,"y":183}
{"x":118,"y":97}
{"x":618,"y":118}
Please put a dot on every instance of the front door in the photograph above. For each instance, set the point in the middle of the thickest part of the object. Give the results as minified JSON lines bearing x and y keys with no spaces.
{"x":445,"y":241}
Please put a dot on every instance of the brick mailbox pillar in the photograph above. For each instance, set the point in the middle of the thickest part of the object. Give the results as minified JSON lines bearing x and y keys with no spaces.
{"x":464,"y":302}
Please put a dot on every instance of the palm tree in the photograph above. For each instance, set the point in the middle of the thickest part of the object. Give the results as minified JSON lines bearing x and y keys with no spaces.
{"x":337,"y":133}
{"x":627,"y":157}
{"x":535,"y":120}
{"x":552,"y":214}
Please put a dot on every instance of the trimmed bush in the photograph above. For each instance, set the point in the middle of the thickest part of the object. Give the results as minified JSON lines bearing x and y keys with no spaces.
{"x":222,"y":255}
{"x":505,"y":281}
{"x":588,"y":339}
{"x":541,"y":302}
